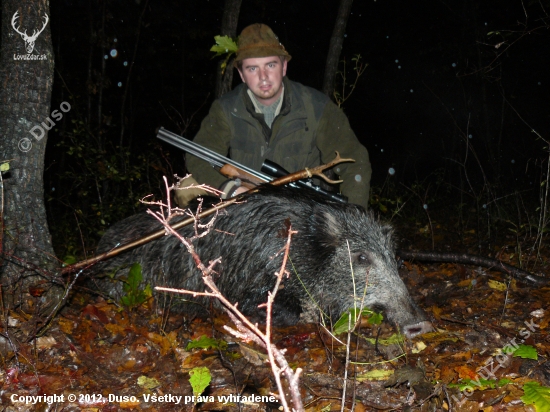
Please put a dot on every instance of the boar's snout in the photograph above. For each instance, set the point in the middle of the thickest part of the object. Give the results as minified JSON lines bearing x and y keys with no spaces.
{"x":410,"y":331}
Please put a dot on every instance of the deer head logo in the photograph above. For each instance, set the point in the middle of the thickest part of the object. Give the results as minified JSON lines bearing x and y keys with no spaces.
{"x":29,"y":40}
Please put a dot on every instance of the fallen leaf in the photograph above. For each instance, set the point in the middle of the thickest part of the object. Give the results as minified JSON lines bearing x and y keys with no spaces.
{"x":93,"y":312}
{"x":45,"y":342}
{"x":539,"y":313}
{"x":419,"y":347}
{"x":437,"y":312}
{"x":495,"y":284}
{"x":67,"y":326}
{"x":465,"y":373}
{"x":115,"y":328}
{"x":447,"y":374}
{"x":148,"y":383}
{"x":166,"y":343}
{"x":375,"y":375}
{"x":252,"y":355}
{"x":464,"y":283}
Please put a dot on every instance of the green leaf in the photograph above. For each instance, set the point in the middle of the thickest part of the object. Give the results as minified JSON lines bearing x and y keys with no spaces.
{"x":343,"y":324}
{"x":375,"y":375}
{"x":134,"y":295}
{"x":148,"y":383}
{"x":69,"y":260}
{"x":375,"y":318}
{"x":224,"y":44}
{"x":494,"y":284}
{"x":148,"y":291}
{"x":4,"y":167}
{"x":199,"y":378}
{"x":395,"y":339}
{"x":522,"y":351}
{"x":203,"y":343}
{"x":479,"y":383}
{"x":134,"y":278}
{"x":127,"y":301}
{"x":536,"y":395}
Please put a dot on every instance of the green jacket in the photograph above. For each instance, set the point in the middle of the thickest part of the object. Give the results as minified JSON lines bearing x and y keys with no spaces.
{"x":306,"y":133}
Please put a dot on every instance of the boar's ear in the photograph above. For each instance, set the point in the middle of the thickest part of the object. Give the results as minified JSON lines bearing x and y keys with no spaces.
{"x":329,"y":227}
{"x":325,"y":234}
{"x":388,"y":236}
{"x":387,"y":231}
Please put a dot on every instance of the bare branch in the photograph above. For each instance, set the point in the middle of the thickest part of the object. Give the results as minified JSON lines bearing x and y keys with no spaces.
{"x":245,"y":329}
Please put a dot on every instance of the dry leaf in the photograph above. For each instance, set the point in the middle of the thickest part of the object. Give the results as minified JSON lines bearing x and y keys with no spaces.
{"x":494,"y":284}
{"x":45,"y":342}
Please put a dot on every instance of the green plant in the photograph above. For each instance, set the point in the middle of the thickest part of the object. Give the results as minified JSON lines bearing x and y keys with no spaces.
{"x":205,"y":342}
{"x":536,"y":395}
{"x":521,"y":351}
{"x":350,"y":317}
{"x":479,"y":383}
{"x":199,"y":378}
{"x":135,"y":295}
{"x":224,"y":45}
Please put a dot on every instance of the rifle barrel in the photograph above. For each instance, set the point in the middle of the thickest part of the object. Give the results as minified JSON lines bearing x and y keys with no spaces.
{"x":215,"y":159}
{"x":218,"y":161}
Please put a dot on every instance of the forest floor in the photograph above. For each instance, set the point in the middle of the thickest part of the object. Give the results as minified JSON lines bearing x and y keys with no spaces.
{"x":489,"y":352}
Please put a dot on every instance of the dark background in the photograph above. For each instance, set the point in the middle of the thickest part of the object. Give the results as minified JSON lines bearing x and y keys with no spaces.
{"x":434,"y":83}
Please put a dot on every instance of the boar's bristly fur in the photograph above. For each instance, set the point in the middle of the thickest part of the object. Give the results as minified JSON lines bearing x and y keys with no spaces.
{"x":337,"y":250}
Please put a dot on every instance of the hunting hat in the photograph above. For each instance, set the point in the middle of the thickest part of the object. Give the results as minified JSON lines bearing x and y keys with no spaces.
{"x":258,"y":40}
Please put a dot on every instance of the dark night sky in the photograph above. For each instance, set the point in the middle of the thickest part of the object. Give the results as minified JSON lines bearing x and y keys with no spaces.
{"x":434,"y":75}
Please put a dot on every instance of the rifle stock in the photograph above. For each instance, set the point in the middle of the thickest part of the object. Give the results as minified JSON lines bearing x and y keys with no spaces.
{"x":247,"y":180}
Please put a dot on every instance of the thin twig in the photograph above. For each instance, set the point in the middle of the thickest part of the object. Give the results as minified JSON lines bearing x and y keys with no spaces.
{"x":245,"y":329}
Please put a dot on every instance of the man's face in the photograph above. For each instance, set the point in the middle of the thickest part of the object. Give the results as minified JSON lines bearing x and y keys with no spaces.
{"x":264,"y":77}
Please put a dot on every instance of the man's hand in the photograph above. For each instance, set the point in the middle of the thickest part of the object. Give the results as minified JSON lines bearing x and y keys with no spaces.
{"x":240,"y":190}
{"x":232,"y":188}
{"x":184,"y":194}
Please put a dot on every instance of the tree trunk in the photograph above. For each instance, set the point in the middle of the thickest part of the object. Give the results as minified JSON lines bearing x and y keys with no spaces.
{"x":229,"y":28}
{"x":26,"y":77}
{"x":335,"y":47}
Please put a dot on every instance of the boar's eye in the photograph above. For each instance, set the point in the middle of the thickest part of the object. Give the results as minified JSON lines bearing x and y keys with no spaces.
{"x":361,"y":258}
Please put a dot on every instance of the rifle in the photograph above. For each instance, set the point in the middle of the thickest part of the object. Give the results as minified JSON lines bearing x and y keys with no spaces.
{"x":248,"y":177}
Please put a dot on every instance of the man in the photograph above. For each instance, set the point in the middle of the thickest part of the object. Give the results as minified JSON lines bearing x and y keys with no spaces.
{"x":271,"y":117}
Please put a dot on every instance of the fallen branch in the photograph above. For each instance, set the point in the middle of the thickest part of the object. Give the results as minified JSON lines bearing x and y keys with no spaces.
{"x":467,"y":259}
